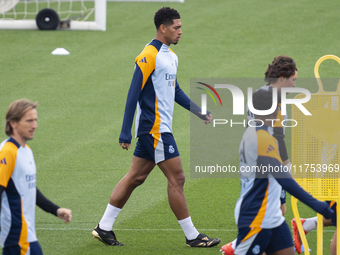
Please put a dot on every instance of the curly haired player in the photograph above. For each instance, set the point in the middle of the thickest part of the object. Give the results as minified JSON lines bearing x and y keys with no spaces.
{"x":282,"y":72}
{"x":261,"y":225}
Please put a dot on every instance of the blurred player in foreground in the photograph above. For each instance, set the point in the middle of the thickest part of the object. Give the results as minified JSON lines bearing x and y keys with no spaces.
{"x":282,"y":72}
{"x":311,"y":224}
{"x":261,"y":225}
{"x":19,"y":194}
{"x":154,"y":90}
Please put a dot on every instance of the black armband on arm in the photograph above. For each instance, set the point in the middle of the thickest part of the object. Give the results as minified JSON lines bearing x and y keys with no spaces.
{"x":46,"y":204}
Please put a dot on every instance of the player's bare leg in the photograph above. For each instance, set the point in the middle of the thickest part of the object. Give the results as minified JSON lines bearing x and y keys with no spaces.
{"x":172,"y":169}
{"x":287,"y":251}
{"x":139,"y":171}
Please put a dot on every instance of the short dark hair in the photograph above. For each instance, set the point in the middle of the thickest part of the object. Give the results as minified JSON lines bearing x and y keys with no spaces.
{"x":15,"y":111}
{"x":165,"y":16}
{"x":263,"y":99}
{"x":282,"y":66}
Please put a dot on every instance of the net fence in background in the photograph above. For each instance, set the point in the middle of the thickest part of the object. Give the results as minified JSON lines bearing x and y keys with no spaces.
{"x":27,"y":9}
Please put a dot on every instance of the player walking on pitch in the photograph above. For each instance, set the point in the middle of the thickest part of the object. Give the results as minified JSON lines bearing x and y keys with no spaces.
{"x":261,"y":225}
{"x":154,"y":89}
{"x":282,"y":72}
{"x":18,"y":191}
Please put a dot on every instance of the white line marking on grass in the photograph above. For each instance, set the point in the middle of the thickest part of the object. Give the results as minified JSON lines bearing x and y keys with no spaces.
{"x":136,"y":229}
{"x":149,"y":229}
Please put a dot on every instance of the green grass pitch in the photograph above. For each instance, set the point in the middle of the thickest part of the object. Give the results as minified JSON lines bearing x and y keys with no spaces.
{"x":82,"y":98}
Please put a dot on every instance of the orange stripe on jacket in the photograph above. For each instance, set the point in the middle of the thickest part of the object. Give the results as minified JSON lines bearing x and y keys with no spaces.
{"x":23,"y":234}
{"x":156,"y":139}
{"x":147,"y":62}
{"x":267,"y":145}
{"x":157,"y":122}
{"x":332,"y":203}
{"x":256,"y":224}
{"x":8,"y":155}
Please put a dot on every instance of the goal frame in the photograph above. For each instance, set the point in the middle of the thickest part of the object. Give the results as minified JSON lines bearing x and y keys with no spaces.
{"x":30,"y":24}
